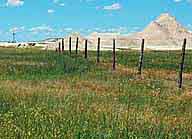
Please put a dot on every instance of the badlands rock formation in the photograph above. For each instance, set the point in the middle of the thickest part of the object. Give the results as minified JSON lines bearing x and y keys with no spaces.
{"x":164,"y":32}
{"x":74,"y":37}
{"x":106,"y":39}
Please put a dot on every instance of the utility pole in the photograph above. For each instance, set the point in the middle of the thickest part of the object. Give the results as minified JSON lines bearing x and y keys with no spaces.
{"x":14,"y":40}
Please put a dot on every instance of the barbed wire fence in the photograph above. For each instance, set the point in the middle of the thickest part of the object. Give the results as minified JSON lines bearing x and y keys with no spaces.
{"x":175,"y":56}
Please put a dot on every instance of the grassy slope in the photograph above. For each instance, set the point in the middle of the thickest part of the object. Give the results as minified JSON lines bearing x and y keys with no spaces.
{"x":44,"y":94}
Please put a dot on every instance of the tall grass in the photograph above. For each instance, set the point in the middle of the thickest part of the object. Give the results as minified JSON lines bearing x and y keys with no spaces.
{"x":50,"y":95}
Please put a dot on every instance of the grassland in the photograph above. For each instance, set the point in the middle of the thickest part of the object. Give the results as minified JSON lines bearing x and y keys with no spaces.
{"x":44,"y":94}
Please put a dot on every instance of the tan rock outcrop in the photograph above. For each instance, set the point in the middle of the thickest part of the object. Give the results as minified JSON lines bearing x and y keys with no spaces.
{"x":164,"y":31}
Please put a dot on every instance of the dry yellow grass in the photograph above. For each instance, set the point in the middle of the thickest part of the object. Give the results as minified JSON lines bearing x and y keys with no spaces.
{"x":75,"y":98}
{"x":28,"y":88}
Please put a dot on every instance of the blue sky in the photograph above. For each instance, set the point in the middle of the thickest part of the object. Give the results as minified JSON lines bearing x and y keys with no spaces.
{"x":39,"y":19}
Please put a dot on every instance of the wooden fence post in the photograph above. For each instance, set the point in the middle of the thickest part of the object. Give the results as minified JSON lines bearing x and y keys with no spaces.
{"x":77,"y":45}
{"x":59,"y":47}
{"x":98,"y":50}
{"x":85,"y":49}
{"x":70,"y":45}
{"x":141,"y":57}
{"x":114,"y":55}
{"x":63,"y":45}
{"x":182,"y":63}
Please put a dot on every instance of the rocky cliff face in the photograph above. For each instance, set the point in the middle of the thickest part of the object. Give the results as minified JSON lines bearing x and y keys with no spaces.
{"x":165,"y":30}
{"x":106,"y":38}
{"x":74,"y":37}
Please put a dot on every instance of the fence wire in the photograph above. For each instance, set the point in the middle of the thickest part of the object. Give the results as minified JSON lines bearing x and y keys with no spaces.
{"x":162,"y":58}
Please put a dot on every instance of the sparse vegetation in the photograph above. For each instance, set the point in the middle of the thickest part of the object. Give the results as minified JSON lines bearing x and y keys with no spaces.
{"x":44,"y":94}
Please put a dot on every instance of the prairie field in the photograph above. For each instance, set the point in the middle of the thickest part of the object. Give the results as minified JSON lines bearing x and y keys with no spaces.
{"x":44,"y":94}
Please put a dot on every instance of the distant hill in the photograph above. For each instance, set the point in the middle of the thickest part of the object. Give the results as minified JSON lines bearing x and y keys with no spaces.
{"x":74,"y":37}
{"x":163,"y":33}
{"x":165,"y":30}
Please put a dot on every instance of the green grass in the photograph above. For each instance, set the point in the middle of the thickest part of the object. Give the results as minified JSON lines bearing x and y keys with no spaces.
{"x":44,"y":94}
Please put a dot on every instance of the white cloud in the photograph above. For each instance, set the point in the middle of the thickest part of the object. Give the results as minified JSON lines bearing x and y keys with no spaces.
{"x":15,"y":3}
{"x":62,"y":4}
{"x":68,"y":29}
{"x":50,"y":11}
{"x":42,"y":28}
{"x":57,"y":2}
{"x":17,"y":29}
{"x":177,"y":1}
{"x":114,"y":6}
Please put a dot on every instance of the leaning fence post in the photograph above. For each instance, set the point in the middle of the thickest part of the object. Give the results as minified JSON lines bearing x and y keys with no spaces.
{"x":98,"y":50}
{"x":59,"y":47}
{"x":114,"y":55}
{"x":182,"y":63}
{"x":63,"y":43}
{"x":77,"y":44}
{"x":141,"y":57}
{"x":70,"y":45}
{"x":85,"y":49}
